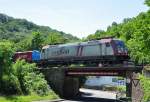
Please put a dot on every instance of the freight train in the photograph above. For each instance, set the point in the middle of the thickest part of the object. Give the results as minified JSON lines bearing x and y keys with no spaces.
{"x":105,"y":50}
{"x":29,"y":56}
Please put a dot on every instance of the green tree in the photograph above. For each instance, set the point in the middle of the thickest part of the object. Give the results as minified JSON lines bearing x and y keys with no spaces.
{"x":24,"y":44}
{"x":19,"y":29}
{"x":145,"y":82}
{"x":135,"y":32}
{"x":113,"y":30}
{"x":98,"y":34}
{"x":31,"y":81}
{"x":147,"y":2}
{"x":8,"y":82}
{"x":19,"y":77}
{"x":6,"y":53}
{"x":55,"y":38}
{"x":37,"y":41}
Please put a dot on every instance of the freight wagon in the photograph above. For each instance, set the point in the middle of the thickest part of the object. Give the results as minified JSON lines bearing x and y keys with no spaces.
{"x":29,"y":56}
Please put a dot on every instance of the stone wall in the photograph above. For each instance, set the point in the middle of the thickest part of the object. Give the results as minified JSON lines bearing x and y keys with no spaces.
{"x":71,"y":87}
{"x":62,"y":85}
{"x":137,"y":91}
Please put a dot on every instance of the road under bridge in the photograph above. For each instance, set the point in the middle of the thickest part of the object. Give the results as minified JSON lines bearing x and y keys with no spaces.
{"x":64,"y":80}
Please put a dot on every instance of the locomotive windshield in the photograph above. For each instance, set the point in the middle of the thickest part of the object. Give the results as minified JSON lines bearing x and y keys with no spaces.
{"x":121,"y":46}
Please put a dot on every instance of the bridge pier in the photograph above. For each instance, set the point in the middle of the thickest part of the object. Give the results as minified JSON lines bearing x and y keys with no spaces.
{"x":63,"y":85}
{"x":133,"y":87}
{"x":71,"y":87}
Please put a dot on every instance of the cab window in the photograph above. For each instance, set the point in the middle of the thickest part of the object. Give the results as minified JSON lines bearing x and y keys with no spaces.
{"x":107,"y":44}
{"x":120,"y":46}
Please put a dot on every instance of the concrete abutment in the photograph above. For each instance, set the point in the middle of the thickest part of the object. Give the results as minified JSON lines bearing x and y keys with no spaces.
{"x":133,"y":87}
{"x":63,"y":86}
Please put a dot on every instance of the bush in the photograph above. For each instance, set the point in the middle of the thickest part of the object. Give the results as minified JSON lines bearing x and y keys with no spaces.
{"x":145,"y":83}
{"x":30,"y":80}
{"x":8,"y":82}
{"x":121,"y":88}
{"x":21,"y":69}
{"x":10,"y":85}
{"x":19,"y":77}
{"x":36,"y":83}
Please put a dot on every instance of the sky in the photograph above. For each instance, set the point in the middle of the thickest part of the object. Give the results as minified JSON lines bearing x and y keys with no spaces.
{"x":77,"y":17}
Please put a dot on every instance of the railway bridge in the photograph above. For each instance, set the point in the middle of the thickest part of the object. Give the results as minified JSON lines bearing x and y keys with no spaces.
{"x":64,"y":80}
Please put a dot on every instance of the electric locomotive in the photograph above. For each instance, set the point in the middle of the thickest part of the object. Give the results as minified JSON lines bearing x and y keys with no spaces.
{"x":106,"y":50}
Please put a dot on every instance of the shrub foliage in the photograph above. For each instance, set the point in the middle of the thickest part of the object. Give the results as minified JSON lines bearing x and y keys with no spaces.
{"x":19,"y":77}
{"x":30,"y":80}
{"x":145,"y":81}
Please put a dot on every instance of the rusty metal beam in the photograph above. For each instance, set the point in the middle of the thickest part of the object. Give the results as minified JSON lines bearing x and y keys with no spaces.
{"x":101,"y":71}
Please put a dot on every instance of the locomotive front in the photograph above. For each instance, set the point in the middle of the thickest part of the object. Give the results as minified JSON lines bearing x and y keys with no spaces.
{"x":120,"y":50}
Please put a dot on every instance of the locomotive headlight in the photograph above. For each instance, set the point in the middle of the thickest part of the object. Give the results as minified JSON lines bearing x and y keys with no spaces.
{"x":119,"y":51}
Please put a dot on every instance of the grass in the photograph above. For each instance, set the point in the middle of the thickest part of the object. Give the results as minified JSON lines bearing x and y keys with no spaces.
{"x":28,"y":98}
